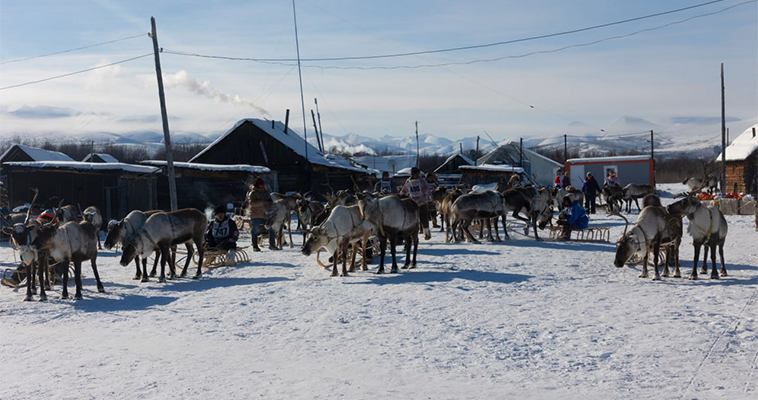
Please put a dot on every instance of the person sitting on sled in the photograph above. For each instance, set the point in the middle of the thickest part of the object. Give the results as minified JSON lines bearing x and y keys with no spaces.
{"x":572,"y":217}
{"x":222,"y":234}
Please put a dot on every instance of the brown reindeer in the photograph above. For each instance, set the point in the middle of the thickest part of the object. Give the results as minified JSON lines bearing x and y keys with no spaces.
{"x":163,"y":230}
{"x":395,"y":218}
{"x":485,"y":206}
{"x":71,"y":242}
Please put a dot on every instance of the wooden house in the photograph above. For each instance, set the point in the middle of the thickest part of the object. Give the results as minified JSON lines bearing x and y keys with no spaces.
{"x":487,"y":174}
{"x":299,"y":166}
{"x":629,"y":169}
{"x":537,"y":167}
{"x":742,"y":163}
{"x":208,"y":185}
{"x":114,"y":188}
{"x":449,"y":173}
{"x":100,"y":158}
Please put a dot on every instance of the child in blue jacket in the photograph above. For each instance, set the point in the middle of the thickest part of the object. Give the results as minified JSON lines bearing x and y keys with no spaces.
{"x":572,"y":217}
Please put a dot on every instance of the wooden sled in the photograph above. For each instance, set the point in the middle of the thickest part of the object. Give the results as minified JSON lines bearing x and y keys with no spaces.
{"x":215,"y":258}
{"x":588,"y":234}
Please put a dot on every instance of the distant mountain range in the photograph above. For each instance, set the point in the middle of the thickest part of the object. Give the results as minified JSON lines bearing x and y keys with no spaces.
{"x":696,"y":136}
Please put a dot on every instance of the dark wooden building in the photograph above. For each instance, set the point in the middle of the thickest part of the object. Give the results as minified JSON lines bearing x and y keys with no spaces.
{"x":742,"y":163}
{"x":273,"y":145}
{"x":100,"y":158}
{"x":115,"y":189}
{"x":449,"y":173}
{"x":487,"y":174}
{"x":207,"y":185}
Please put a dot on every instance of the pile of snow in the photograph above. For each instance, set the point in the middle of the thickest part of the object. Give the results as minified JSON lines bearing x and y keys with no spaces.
{"x":253,"y":169}
{"x":85,"y":166}
{"x":520,"y":319}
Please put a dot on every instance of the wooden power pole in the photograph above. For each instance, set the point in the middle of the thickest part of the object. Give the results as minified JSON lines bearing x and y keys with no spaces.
{"x":723,"y":135}
{"x":652,"y":153}
{"x":164,"y":117}
{"x":417,"y":146}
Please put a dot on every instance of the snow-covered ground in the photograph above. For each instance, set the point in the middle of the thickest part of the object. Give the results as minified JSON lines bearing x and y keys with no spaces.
{"x":519,"y":319}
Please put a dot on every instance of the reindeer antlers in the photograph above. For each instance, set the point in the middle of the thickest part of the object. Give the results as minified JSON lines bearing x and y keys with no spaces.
{"x":29,"y":211}
{"x":626,"y":227}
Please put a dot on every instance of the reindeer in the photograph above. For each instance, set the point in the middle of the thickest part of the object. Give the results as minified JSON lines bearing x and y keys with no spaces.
{"x":438,"y":196}
{"x":118,"y":231}
{"x":706,"y":181}
{"x":344,"y":198}
{"x":395,"y":218}
{"x":345,"y":226}
{"x":648,"y":231}
{"x":673,"y":234}
{"x":71,"y":242}
{"x":614,"y":197}
{"x":532,"y":203}
{"x":484,"y":205}
{"x":707,"y":227}
{"x":573,"y":193}
{"x":634,"y":191}
{"x":92,"y":215}
{"x":67,"y":213}
{"x":163,"y":230}
{"x":447,"y":213}
{"x":278,"y":217}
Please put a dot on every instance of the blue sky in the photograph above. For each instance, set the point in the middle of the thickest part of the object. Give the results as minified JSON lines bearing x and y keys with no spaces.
{"x":671,"y":72}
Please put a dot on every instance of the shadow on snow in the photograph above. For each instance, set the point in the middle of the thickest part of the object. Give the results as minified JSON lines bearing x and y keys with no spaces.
{"x":442,"y":276}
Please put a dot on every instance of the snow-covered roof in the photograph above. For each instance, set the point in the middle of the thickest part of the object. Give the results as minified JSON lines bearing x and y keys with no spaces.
{"x":84,"y":166}
{"x":493,"y":168}
{"x":253,"y":169}
{"x":742,"y":147}
{"x":105,"y":157}
{"x":606,"y":159}
{"x":38,"y":154}
{"x":292,"y":140}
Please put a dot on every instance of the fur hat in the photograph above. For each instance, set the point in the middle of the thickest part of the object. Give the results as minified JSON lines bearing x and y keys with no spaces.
{"x":219,"y":210}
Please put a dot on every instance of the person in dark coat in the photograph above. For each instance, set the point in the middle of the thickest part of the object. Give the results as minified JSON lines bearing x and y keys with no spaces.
{"x":385,"y":185}
{"x":222,"y":234}
{"x":590,"y":188}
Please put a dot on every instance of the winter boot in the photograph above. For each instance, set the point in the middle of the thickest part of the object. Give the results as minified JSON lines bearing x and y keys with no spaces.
{"x":230,"y":257}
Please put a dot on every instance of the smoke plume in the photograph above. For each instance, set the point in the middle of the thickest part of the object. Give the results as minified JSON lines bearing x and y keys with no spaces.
{"x":204,"y":88}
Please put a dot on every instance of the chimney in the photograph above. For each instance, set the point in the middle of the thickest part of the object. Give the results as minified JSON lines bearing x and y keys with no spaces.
{"x":753,"y":131}
{"x":286,"y":120}
{"x":273,"y":124}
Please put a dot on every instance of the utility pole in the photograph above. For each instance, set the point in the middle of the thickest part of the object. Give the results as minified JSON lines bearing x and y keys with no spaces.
{"x":565,"y":149}
{"x":302,"y":101}
{"x":652,"y":154}
{"x":417,"y":146}
{"x":723,"y":135}
{"x":320,"y":130}
{"x":320,"y":146}
{"x":521,"y":152}
{"x":476,"y":155}
{"x":164,"y":117}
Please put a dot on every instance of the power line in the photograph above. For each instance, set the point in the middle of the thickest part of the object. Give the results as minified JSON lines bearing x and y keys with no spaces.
{"x":71,"y":50}
{"x":286,"y":62}
{"x":476,"y":46}
{"x":75,"y":72}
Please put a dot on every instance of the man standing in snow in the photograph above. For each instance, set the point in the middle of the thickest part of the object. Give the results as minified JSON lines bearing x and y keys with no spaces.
{"x":222,"y":234}
{"x":590,"y":188}
{"x":259,"y":203}
{"x":418,"y":190}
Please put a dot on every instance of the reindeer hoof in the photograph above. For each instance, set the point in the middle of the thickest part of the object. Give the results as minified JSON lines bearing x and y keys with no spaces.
{"x":703,"y":270}
{"x":145,"y":279}
{"x":197,"y":276}
{"x":714,"y":276}
{"x":345,"y":274}
{"x":379,"y":271}
{"x":28,"y":298}
{"x":136,"y":277}
{"x":656,"y":278}
{"x":78,"y":296}
{"x":693,"y":277}
{"x":394,"y":270}
{"x":643,"y":276}
{"x":153,"y":274}
{"x":677,"y":276}
{"x":183,"y":274}
{"x":43,"y":297}
{"x":405,"y":266}
{"x":100,"y":289}
{"x":723,"y":272}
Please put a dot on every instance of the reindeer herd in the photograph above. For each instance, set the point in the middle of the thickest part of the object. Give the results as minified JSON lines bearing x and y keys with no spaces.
{"x":348,"y":221}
